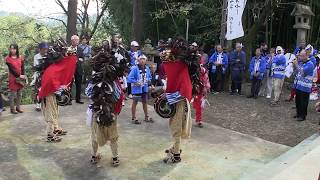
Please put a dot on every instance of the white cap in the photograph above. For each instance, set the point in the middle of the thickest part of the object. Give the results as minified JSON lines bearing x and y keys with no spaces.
{"x":142,"y":56}
{"x":279,"y":48}
{"x":309,"y":47}
{"x":134,"y":43}
{"x":194,"y":44}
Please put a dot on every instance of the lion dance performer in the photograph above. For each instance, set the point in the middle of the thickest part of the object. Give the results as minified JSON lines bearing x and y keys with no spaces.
{"x":182,"y":70}
{"x":56,"y":73}
{"x":106,"y":98}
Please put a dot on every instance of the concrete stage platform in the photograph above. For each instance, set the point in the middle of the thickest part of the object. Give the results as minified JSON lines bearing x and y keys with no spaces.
{"x":211,"y":153}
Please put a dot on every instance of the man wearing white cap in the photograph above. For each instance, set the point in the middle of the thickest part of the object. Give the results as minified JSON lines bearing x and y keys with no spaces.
{"x":134,"y":53}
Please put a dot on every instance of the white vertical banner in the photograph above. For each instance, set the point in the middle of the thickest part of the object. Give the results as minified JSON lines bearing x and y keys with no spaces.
{"x":234,"y":19}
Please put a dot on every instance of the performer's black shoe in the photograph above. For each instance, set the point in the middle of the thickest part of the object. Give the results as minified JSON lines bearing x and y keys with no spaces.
{"x":53,"y":138}
{"x":115,"y":162}
{"x":95,"y":159}
{"x":176,"y":158}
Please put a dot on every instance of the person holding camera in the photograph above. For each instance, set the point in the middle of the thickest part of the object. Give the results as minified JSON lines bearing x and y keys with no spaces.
{"x":16,"y":78}
{"x":43,"y":50}
{"x":303,"y":84}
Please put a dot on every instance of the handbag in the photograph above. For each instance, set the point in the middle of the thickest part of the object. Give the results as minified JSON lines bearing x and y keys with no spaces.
{"x":22,"y":81}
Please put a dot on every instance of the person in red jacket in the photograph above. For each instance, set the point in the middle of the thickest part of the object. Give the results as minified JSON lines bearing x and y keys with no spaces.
{"x":200,"y":97}
{"x":16,"y":72}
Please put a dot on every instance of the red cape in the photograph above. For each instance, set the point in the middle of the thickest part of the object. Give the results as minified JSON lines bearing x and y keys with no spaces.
{"x":57,"y":75}
{"x":178,"y":78}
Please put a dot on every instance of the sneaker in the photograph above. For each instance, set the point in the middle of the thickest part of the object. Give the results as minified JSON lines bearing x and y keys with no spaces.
{"x":135,"y":121}
{"x":38,"y":107}
{"x":268,"y":97}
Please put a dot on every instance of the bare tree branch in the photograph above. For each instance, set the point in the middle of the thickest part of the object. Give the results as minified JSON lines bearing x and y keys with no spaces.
{"x":97,"y":1}
{"x":62,"y":6}
{"x":29,"y":37}
{"x":80,"y":18}
{"x":56,"y":19}
{"x":99,"y":16}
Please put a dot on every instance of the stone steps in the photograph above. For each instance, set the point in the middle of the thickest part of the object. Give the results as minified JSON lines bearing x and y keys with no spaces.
{"x":302,"y":162}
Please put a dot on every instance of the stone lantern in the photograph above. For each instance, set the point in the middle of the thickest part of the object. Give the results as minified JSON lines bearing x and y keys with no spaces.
{"x":302,"y":15}
{"x":149,"y":51}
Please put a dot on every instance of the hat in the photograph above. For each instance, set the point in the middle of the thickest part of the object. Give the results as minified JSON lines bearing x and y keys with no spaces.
{"x":279,"y":48}
{"x":43,"y":45}
{"x":142,"y":56}
{"x":134,"y":43}
{"x":310,"y":48}
{"x":194,"y":44}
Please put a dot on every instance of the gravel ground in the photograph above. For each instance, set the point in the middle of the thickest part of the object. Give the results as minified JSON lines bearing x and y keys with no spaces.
{"x":257,"y":118}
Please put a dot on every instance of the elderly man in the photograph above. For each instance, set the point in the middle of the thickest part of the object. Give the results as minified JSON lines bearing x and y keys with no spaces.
{"x":237,"y":61}
{"x":257,"y":69}
{"x":303,"y":84}
{"x":78,"y":75}
{"x":219,"y":61}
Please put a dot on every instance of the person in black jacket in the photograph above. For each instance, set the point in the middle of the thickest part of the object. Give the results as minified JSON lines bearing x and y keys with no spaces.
{"x":78,"y":75}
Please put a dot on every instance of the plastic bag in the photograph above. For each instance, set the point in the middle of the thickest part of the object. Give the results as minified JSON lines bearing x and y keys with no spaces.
{"x":204,"y":103}
{"x":89,"y":117}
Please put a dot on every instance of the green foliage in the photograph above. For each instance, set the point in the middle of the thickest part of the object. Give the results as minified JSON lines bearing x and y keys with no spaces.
{"x":121,"y":15}
{"x":27,"y":33}
{"x":162,"y":20}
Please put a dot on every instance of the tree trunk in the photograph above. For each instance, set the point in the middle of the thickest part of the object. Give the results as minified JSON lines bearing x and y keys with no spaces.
{"x":137,"y":23}
{"x":72,"y":19}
